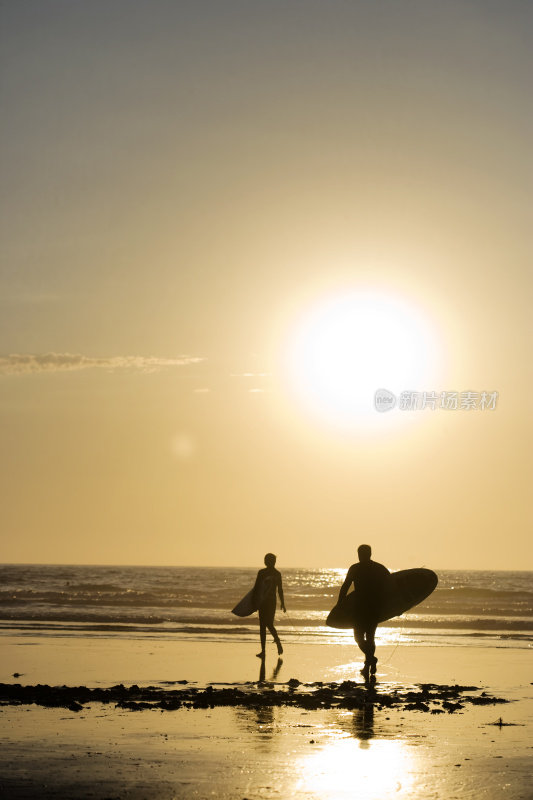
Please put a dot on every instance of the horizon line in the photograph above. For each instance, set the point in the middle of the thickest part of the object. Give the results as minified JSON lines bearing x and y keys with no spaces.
{"x":226,"y":566}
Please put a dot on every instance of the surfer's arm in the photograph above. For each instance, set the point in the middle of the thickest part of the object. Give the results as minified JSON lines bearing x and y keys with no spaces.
{"x":346,"y":585}
{"x":280,"y":591}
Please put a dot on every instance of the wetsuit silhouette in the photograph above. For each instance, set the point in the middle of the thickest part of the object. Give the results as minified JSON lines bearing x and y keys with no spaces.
{"x":267,"y":584}
{"x":370,"y":580}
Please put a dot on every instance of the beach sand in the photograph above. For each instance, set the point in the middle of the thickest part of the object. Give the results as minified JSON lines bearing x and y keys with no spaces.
{"x":371,"y":752}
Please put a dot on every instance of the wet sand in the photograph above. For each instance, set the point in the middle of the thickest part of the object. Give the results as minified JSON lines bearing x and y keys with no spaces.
{"x":288,"y":736}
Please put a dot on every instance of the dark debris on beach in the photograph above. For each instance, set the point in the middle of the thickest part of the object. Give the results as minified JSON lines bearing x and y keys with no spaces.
{"x":349,"y":695}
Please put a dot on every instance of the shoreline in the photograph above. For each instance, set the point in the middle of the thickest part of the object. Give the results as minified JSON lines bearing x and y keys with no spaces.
{"x":97,"y":661}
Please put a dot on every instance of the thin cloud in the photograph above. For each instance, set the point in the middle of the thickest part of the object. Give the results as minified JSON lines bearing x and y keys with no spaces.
{"x":250,"y":374}
{"x":27,"y":363}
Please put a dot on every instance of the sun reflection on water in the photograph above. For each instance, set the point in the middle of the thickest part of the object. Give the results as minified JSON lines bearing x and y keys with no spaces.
{"x":363,"y":768}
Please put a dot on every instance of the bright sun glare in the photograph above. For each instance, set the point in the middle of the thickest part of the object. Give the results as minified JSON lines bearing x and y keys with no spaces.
{"x":346,"y":347}
{"x":368,"y":769}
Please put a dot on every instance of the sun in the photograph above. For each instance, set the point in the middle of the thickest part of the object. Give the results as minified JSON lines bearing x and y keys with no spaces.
{"x":345,"y":347}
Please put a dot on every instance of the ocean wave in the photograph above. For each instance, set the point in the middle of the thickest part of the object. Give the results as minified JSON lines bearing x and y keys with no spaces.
{"x":320,"y":635}
{"x":155,"y":596}
{"x":441,"y":602}
{"x":185,"y":622}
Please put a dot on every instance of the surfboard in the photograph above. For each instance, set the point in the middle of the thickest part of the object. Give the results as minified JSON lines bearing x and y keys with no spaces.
{"x":407,"y":588}
{"x":245,"y":607}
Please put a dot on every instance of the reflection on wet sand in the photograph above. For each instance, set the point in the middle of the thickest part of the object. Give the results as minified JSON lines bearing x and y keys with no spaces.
{"x":275,"y":671}
{"x":263,"y":720}
{"x":346,"y":759}
{"x":363,"y":723}
{"x":348,"y":767}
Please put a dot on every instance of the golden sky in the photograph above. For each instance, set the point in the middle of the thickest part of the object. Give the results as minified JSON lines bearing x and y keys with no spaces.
{"x":183,"y":186}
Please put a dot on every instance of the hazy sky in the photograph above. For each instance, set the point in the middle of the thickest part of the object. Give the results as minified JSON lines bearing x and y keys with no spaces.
{"x":181,"y":184}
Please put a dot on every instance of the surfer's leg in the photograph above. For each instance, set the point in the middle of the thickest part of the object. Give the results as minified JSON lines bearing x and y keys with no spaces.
{"x":266,"y":618}
{"x":370,"y":641}
{"x":269,"y":621}
{"x":275,"y":636}
{"x":359,"y":636}
{"x":370,"y":633}
{"x":262,"y":634}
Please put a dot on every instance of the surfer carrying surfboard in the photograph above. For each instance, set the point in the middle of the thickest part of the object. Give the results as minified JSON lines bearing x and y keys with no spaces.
{"x":268,"y":583}
{"x":370,"y":581}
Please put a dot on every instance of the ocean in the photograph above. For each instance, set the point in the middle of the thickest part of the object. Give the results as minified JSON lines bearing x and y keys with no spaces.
{"x":468,"y":607}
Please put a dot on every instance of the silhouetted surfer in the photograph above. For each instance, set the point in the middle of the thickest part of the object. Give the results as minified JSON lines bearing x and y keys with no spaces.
{"x":267,"y":584}
{"x":370,"y":580}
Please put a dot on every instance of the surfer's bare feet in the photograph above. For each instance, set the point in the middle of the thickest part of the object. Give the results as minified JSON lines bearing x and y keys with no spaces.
{"x":280,"y":649}
{"x":261,"y":654}
{"x":373,"y":665}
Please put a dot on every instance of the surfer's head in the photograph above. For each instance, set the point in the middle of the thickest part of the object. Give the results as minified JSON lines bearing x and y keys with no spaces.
{"x":270,"y":560}
{"x":364,"y":551}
